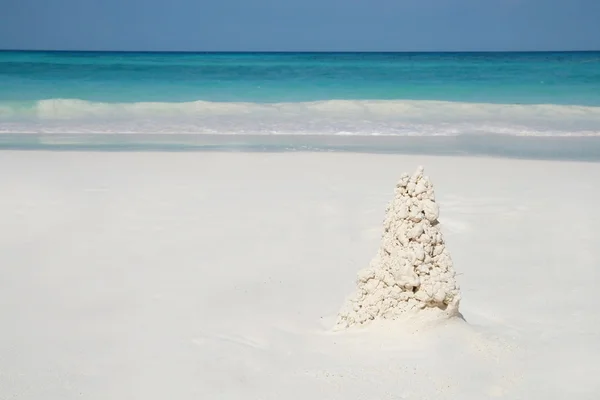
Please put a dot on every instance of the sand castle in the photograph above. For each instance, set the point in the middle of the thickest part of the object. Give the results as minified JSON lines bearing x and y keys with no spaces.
{"x":412,"y":271}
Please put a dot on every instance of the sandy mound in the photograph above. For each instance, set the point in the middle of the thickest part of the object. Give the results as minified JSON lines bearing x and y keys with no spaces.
{"x":412,"y":273}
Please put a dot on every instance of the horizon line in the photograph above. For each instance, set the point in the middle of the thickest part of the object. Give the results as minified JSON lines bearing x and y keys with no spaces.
{"x":6,"y":50}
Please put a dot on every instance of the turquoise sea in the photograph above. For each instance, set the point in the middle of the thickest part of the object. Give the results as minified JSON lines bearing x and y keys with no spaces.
{"x":343,"y":94}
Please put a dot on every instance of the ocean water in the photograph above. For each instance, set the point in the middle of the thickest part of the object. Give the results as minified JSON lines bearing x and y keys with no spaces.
{"x":353,"y":94}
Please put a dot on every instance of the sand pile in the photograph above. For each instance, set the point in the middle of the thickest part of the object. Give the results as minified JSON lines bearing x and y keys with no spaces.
{"x":412,"y":271}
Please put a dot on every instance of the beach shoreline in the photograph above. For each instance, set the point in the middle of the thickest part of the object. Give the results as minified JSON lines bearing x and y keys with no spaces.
{"x":573,"y":148}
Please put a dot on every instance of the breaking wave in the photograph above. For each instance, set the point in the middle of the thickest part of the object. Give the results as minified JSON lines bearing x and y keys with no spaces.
{"x":337,"y":117}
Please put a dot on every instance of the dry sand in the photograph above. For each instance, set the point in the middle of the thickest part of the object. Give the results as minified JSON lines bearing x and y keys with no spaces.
{"x":219,"y":276}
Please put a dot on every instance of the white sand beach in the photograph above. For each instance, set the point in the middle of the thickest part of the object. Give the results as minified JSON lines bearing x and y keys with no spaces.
{"x":219,"y":276}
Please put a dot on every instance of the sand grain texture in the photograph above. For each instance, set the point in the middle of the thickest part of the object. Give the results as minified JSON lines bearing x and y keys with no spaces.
{"x":185,"y":276}
{"x":411,"y":276}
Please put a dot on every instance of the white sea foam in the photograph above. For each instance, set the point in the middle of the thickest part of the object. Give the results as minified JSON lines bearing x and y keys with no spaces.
{"x":349,"y":117}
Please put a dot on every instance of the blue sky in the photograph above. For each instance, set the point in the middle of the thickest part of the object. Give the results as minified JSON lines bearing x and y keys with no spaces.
{"x":294,"y":25}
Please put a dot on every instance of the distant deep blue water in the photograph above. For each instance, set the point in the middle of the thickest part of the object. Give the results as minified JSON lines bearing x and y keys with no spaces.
{"x":544,"y":94}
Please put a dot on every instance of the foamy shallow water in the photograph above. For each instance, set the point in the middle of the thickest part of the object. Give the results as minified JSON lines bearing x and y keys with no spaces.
{"x":329,"y":117}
